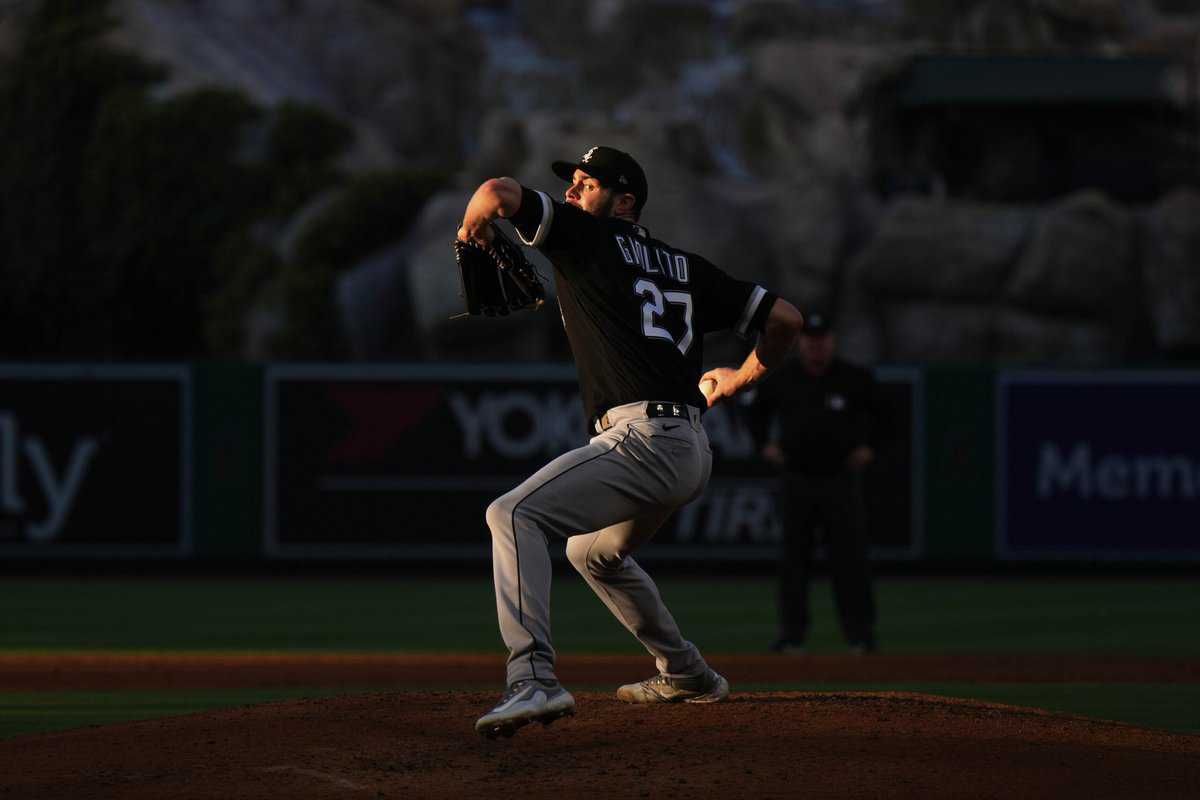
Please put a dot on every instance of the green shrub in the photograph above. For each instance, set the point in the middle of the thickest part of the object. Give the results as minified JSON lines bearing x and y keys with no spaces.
{"x":163,"y":187}
{"x":246,"y":271}
{"x":374,"y":210}
{"x":302,"y":144}
{"x":53,"y":299}
{"x":126,"y":222}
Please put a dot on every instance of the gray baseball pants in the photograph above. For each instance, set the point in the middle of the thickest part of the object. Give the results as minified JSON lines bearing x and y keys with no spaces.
{"x":607,"y":498}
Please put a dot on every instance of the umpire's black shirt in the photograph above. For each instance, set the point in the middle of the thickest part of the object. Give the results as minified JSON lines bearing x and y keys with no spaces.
{"x":818,"y":419}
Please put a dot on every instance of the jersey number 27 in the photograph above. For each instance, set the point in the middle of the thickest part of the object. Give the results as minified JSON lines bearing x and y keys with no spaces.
{"x":654,"y":308}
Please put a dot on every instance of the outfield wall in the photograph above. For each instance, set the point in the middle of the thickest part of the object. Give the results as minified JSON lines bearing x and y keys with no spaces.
{"x":398,"y":462}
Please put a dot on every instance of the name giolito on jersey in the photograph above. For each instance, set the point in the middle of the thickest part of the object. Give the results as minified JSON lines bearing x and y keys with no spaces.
{"x":662,"y":262}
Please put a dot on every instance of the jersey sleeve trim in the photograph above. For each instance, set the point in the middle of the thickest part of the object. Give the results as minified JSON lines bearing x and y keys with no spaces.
{"x":749,"y":312}
{"x":543,"y":228}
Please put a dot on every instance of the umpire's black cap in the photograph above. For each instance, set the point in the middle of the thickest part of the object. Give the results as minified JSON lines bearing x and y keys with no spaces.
{"x":615,"y":169}
{"x":816,"y":323}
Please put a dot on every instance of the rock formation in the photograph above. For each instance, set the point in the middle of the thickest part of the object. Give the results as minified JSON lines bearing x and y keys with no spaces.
{"x":742,"y":114}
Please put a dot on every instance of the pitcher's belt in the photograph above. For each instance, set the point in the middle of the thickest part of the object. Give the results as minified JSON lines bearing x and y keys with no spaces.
{"x":654,"y":408}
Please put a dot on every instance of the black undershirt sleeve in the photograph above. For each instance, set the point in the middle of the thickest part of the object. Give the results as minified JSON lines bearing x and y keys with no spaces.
{"x":759,"y":321}
{"x":529,"y":215}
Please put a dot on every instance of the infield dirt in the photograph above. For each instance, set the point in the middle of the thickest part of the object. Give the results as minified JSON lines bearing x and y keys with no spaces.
{"x":759,"y":744}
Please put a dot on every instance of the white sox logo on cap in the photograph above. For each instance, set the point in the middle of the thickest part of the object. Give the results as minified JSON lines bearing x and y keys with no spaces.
{"x":587,"y":159}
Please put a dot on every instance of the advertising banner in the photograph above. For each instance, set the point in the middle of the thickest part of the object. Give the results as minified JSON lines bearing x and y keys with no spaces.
{"x":403,"y":461}
{"x":738,"y":516}
{"x":94,"y":461}
{"x":1098,"y":465}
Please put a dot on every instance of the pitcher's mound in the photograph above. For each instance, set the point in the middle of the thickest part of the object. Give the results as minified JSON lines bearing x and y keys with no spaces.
{"x":784,"y":744}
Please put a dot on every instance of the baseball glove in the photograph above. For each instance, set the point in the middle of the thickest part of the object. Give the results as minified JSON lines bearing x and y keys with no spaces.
{"x":496,"y":281}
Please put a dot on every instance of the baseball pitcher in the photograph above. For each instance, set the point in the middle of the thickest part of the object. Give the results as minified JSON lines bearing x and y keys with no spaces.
{"x":635,"y":310}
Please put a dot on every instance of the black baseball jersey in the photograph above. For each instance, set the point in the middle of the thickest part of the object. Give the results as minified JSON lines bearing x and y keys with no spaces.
{"x":635,"y":309}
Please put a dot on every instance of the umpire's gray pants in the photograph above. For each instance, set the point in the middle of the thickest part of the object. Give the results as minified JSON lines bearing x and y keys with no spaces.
{"x":608,"y":497}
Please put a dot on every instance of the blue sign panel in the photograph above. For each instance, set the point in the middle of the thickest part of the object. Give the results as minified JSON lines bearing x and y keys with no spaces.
{"x":1098,"y":465}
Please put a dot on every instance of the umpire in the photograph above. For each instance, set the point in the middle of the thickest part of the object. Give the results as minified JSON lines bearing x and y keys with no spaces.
{"x":820,"y":419}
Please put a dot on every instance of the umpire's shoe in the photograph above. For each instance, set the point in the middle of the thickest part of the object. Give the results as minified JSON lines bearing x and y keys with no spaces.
{"x":708,"y":687}
{"x":525,"y":702}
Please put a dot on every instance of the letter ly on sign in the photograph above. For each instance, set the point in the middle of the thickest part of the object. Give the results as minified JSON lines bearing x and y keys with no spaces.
{"x":58,"y":489}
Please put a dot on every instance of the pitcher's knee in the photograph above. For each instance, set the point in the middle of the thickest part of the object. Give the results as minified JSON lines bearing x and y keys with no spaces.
{"x":499,"y":514}
{"x":577,"y":551}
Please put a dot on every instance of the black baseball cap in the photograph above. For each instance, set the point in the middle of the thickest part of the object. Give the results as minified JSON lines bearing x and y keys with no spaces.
{"x":615,"y":169}
{"x":817,"y":323}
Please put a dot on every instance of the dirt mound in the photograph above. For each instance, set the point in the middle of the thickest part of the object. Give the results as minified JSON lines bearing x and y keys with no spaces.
{"x":855,"y":744}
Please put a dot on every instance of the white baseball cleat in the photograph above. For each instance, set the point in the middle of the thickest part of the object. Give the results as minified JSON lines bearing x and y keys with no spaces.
{"x":708,"y":687}
{"x":525,"y":702}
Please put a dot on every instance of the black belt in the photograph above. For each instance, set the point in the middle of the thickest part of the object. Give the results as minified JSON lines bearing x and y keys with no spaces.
{"x":654,"y":408}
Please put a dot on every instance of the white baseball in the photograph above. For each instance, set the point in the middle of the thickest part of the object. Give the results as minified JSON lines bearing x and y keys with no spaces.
{"x":708,"y":386}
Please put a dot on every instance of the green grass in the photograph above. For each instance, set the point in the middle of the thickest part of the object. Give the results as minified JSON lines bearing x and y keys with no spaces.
{"x":1133,"y":617}
{"x":1117,"y":617}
